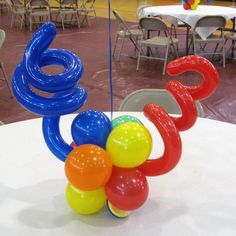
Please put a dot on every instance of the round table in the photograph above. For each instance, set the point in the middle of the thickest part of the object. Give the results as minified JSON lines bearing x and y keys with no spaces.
{"x":190,"y":17}
{"x":195,"y":198}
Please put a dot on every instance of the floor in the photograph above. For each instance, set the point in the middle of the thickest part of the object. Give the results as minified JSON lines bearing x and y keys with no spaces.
{"x":91,"y":44}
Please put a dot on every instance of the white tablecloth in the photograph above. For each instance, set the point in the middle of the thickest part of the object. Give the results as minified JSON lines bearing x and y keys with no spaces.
{"x":198,"y":197}
{"x":190,"y":16}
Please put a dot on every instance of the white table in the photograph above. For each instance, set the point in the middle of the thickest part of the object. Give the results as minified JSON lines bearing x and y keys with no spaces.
{"x":190,"y":17}
{"x":198,"y":197}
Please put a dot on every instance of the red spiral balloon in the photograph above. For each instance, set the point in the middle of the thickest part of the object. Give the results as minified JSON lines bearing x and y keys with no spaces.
{"x":169,"y":126}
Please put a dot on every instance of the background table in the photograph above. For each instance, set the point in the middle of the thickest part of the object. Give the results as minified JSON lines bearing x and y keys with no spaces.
{"x":198,"y":197}
{"x":190,"y":17}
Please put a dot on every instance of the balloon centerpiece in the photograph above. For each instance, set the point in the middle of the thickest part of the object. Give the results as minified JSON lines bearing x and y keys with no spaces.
{"x":108,"y":161}
{"x":192,"y":4}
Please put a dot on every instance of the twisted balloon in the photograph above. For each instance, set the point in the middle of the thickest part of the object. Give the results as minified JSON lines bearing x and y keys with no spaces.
{"x":109,"y":161}
{"x":185,"y":96}
{"x":66,"y":97}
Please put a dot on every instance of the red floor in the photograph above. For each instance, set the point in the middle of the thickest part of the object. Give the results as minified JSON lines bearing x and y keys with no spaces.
{"x":91,"y":44}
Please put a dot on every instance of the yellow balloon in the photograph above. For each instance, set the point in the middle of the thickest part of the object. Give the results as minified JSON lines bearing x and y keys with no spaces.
{"x":129,"y":145}
{"x":85,"y":202}
{"x":117,"y":212}
{"x":194,"y":6}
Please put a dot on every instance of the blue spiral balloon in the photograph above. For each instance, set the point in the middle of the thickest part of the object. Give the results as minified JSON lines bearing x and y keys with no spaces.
{"x":66,"y":96}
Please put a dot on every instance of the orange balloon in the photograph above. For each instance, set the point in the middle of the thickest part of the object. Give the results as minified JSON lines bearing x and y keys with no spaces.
{"x":88,"y":167}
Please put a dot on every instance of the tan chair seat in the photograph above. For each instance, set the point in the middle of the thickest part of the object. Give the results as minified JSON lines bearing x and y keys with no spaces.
{"x":231,"y":36}
{"x":134,"y":32}
{"x":67,"y":11}
{"x":155,"y":41}
{"x":39,"y":13}
{"x":211,"y":38}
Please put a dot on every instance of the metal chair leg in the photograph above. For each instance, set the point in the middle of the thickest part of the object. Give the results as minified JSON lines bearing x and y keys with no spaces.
{"x":122,"y":44}
{"x":165,"y":62}
{"x":139,"y":57}
{"x":5,"y":79}
{"x":114,"y":49}
{"x":223,"y":55}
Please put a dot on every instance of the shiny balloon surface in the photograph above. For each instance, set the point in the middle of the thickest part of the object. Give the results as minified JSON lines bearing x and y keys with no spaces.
{"x":91,"y":127}
{"x":123,"y":119}
{"x":127,"y":188}
{"x":129,"y":145}
{"x":88,"y":167}
{"x":85,"y":202}
{"x":107,"y":160}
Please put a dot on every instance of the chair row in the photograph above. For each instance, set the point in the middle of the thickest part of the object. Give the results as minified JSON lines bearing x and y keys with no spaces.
{"x":39,"y":11}
{"x":159,"y":32}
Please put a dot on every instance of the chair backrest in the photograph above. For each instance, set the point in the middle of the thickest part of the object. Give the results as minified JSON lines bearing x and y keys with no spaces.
{"x":69,"y":2}
{"x":16,"y":3}
{"x":9,"y":3}
{"x":2,"y":37}
{"x":152,"y":24}
{"x":211,"y":21}
{"x":120,"y":20}
{"x":40,"y":3}
{"x":138,"y":99}
{"x":89,"y":3}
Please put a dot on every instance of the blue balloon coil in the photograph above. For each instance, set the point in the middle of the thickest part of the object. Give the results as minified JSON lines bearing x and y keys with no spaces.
{"x":65,"y":94}
{"x":66,"y":97}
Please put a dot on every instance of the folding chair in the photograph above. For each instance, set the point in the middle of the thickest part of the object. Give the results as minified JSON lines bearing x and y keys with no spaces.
{"x":231,"y":37}
{"x":86,"y":9}
{"x":217,"y":22}
{"x":150,"y":24}
{"x":68,"y":9}
{"x":18,"y":11}
{"x":139,"y":98}
{"x":2,"y":39}
{"x":125,"y":32}
{"x":39,"y":12}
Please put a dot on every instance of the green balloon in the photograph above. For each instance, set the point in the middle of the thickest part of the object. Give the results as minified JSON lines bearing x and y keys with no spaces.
{"x":123,"y":119}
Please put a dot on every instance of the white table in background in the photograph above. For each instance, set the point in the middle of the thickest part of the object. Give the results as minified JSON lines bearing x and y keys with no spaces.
{"x":198,"y":197}
{"x":190,"y":17}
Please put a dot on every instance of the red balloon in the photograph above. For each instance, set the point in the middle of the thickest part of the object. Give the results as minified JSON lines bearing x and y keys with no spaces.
{"x":172,"y":142}
{"x":186,"y":104}
{"x":191,"y":2}
{"x":127,"y":188}
{"x":185,"y":95}
{"x":203,"y":67}
{"x":187,"y":6}
{"x":73,"y":144}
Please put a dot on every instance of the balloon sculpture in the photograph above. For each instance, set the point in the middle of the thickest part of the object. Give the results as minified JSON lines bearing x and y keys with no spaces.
{"x":192,"y":4}
{"x":108,"y":160}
